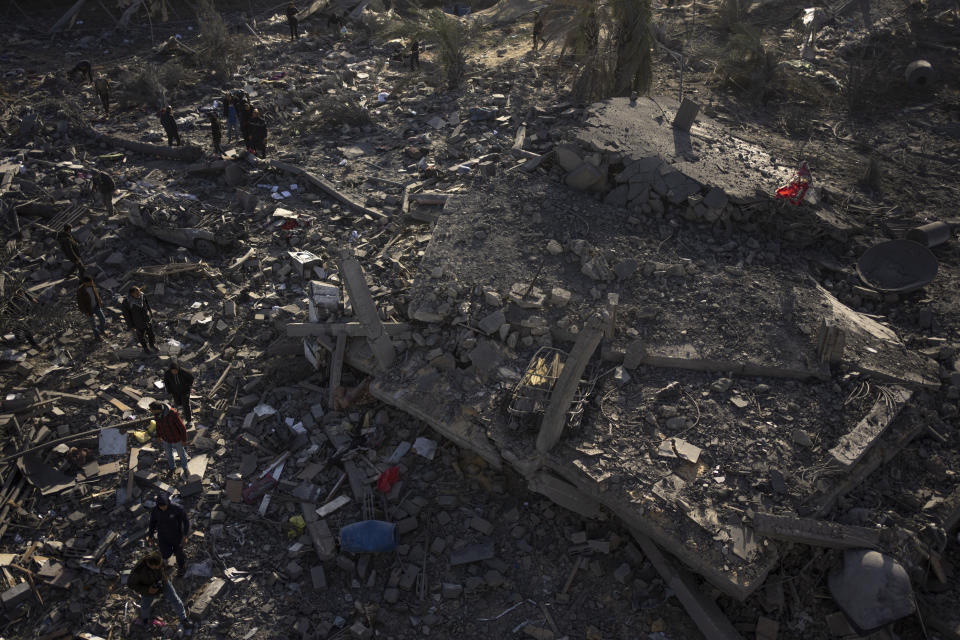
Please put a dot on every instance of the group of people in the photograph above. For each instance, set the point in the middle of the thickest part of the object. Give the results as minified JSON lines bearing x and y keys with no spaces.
{"x":169,"y":524}
{"x":169,"y":527}
{"x":238,"y":111}
{"x":241,"y":114}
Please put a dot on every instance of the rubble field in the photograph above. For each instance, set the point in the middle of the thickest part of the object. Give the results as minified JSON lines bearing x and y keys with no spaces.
{"x":577,"y":360}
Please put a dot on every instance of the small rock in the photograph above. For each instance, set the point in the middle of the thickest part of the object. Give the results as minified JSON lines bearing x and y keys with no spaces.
{"x":554,"y":248}
{"x":722,"y":385}
{"x":451,"y":591}
{"x":560,"y":297}
{"x":801,"y":438}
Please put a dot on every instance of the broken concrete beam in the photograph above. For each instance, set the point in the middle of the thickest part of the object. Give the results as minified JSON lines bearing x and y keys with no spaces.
{"x":564,"y":494}
{"x":584,"y":177}
{"x":352,"y":329}
{"x":555,"y":417}
{"x":686,"y":114}
{"x":818,"y":533}
{"x":831,"y":340}
{"x":852,"y":446}
{"x":323,"y":543}
{"x":15,"y":596}
{"x":366,"y":310}
{"x":326,"y":187}
{"x":205,"y":596}
{"x":186,"y":153}
{"x":472,"y":553}
{"x":704,"y":611}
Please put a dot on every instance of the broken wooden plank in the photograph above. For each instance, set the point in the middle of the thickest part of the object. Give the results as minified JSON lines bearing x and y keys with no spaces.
{"x":219,"y":381}
{"x":852,"y":446}
{"x":564,"y":494}
{"x":352,"y":329}
{"x":817,"y":533}
{"x":336,"y":368}
{"x":705,"y":613}
{"x":555,"y":417}
{"x":332,"y":506}
{"x":326,"y":187}
{"x":366,"y":309}
{"x":205,"y":596}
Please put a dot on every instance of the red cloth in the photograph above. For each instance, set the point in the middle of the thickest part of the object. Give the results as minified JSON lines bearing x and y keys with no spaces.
{"x":797,"y":189}
{"x":170,"y":428}
{"x":387,"y":479}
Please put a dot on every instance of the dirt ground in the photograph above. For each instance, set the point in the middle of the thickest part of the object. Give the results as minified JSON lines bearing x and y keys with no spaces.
{"x":912,"y":132}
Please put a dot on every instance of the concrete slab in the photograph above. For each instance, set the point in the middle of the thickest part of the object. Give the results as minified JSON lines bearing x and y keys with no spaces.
{"x":750,"y":320}
{"x":708,"y":153}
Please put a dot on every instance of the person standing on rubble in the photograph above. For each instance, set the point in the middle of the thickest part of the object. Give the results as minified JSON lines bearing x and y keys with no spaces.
{"x":257,"y":130}
{"x":170,"y":126}
{"x":172,"y":434}
{"x":90,"y":304}
{"x":414,"y":54}
{"x":149,"y":578}
{"x":178,"y":383}
{"x":139,"y":317}
{"x":216,"y":132}
{"x":169,"y":521}
{"x":84,"y":68}
{"x":106,"y":187}
{"x":244,"y":112}
{"x":71,"y":248}
{"x":537,"y":30}
{"x":230,"y":111}
{"x":292,"y":21}
{"x":102,"y":85}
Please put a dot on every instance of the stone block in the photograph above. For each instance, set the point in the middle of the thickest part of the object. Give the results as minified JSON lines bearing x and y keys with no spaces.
{"x":481,"y":525}
{"x":584,"y":177}
{"x":567,"y":158}
{"x":686,"y":115}
{"x":451,"y":591}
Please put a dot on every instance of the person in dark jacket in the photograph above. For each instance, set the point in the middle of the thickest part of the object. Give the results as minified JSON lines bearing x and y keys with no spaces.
{"x":216,"y":132}
{"x":414,"y":54}
{"x":149,"y":578}
{"x":178,"y":382}
{"x":71,"y":248}
{"x":169,"y":521}
{"x":230,"y":113}
{"x":90,"y":304}
{"x":292,"y":21}
{"x":84,"y":68}
{"x":172,"y":433}
{"x":139,"y":317}
{"x":245,"y":111}
{"x":102,"y":85}
{"x":106,"y":187}
{"x":537,"y":30}
{"x":170,"y":126}
{"x":257,"y":129}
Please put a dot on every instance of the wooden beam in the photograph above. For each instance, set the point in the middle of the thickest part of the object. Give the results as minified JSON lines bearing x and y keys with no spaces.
{"x":555,"y":417}
{"x":366,"y":309}
{"x":327,"y":187}
{"x":336,"y":369}
{"x":352,"y":329}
